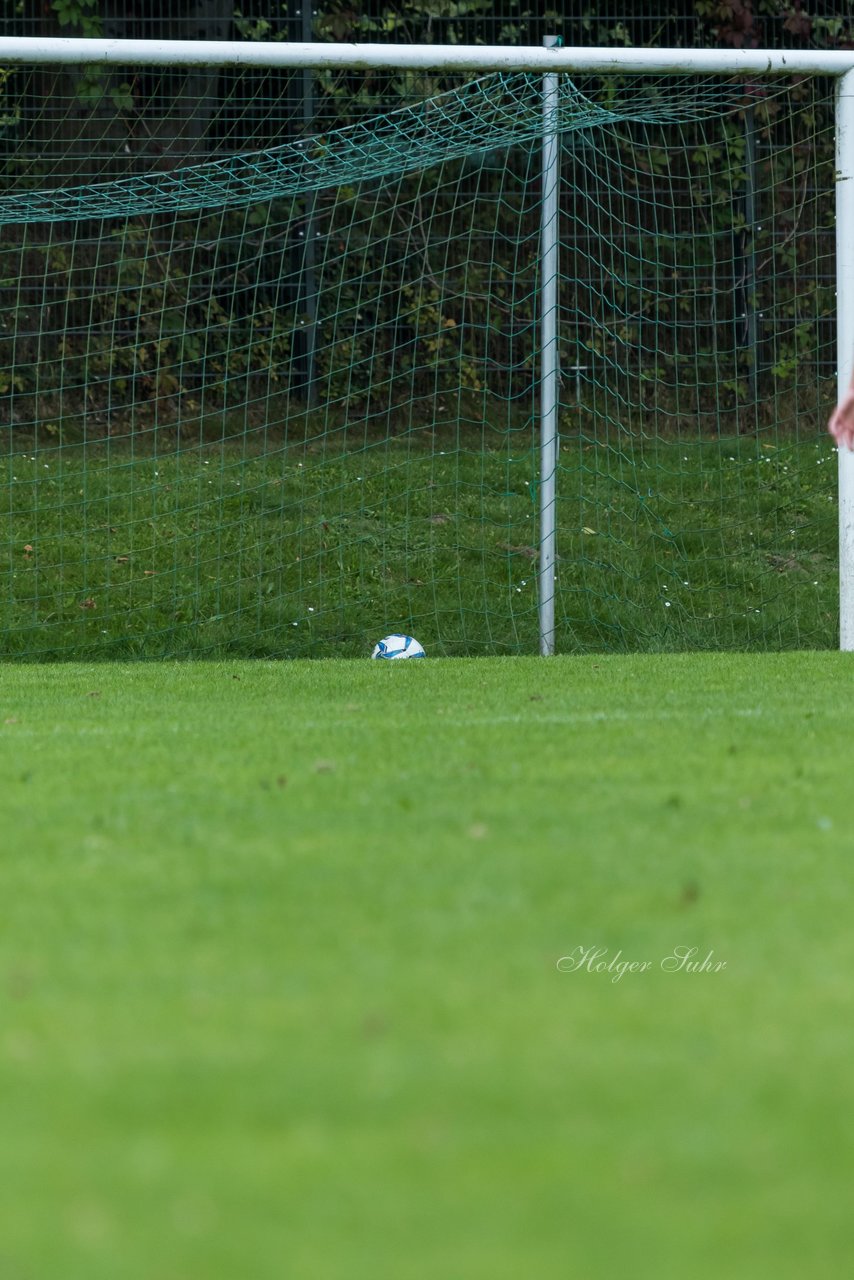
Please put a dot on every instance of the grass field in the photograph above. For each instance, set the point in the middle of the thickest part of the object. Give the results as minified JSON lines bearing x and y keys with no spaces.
{"x":314,"y":549}
{"x":279,"y":979}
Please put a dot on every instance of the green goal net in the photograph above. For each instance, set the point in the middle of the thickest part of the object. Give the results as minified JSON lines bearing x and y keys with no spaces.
{"x":270,"y":375}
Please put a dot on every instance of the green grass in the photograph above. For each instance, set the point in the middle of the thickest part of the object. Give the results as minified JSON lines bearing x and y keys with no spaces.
{"x":309,"y":550}
{"x":279,"y":984}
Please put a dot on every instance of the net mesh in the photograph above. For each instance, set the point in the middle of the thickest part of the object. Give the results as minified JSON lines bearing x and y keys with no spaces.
{"x":269,"y":377}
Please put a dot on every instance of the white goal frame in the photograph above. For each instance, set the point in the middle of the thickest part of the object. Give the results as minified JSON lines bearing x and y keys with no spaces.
{"x":549,"y":61}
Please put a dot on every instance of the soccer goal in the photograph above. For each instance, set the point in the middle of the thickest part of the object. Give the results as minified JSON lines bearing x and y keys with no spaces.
{"x":515,"y":350}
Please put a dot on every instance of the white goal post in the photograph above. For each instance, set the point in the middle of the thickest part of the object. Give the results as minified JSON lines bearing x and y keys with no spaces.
{"x":549,"y":61}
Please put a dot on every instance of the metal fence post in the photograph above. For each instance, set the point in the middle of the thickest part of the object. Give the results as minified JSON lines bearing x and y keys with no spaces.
{"x":549,"y":371}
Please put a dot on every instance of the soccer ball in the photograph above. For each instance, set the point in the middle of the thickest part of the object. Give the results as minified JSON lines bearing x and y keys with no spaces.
{"x":398,"y":647}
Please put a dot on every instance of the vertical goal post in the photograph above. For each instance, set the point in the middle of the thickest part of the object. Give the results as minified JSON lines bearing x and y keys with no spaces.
{"x":551,"y":62}
{"x":845,"y":340}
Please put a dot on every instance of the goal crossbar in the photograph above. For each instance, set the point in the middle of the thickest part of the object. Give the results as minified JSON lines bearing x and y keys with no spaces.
{"x":486,"y":58}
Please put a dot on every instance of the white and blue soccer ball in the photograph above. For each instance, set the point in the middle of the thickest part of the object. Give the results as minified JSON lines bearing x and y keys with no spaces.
{"x":398,"y":647}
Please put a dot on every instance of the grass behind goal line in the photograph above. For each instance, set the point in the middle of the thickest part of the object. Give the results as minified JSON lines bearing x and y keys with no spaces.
{"x":310,"y":551}
{"x":279,"y":984}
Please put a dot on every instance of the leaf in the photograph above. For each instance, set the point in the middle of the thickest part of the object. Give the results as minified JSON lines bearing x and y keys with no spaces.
{"x":530,"y":553}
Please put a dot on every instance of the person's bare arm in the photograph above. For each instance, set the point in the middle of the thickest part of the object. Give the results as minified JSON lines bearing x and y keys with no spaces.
{"x":841,"y":424}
